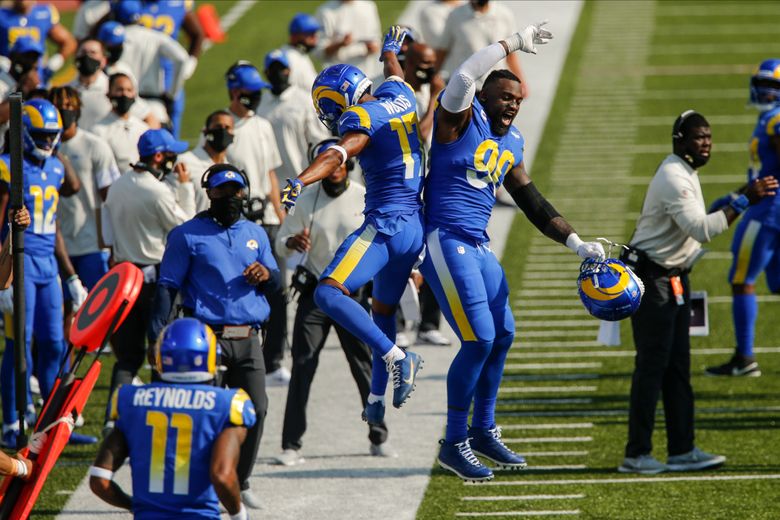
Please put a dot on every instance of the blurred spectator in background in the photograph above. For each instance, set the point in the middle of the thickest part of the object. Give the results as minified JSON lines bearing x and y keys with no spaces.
{"x":350,"y":34}
{"x":471,"y":27}
{"x":143,"y":52}
{"x":169,"y":17}
{"x":22,"y":74}
{"x":90,"y":12}
{"x":255,"y":151}
{"x":39,"y":22}
{"x":421,"y":74}
{"x":288,"y":109}
{"x":303,"y":40}
{"x":324,"y":216}
{"x":433,"y":18}
{"x":139,"y":213}
{"x":217,"y":137}
{"x":94,"y":165}
{"x":120,"y":128}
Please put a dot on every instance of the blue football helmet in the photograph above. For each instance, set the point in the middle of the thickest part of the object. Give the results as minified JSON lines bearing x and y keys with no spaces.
{"x":41,"y":128}
{"x":765,"y":85}
{"x":186,"y":352}
{"x":609,"y":289}
{"x":335,"y":89}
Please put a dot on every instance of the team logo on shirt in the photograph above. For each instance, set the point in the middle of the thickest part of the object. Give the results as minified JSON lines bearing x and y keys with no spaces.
{"x":461,"y":250}
{"x":252,"y":244}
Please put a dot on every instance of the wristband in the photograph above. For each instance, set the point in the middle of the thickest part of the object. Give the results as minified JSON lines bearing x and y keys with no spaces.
{"x":55,"y":62}
{"x":739,"y":204}
{"x":241,"y":515}
{"x":342,"y":151}
{"x":514,"y":43}
{"x":21,"y":468}
{"x":574,"y":241}
{"x":97,"y":471}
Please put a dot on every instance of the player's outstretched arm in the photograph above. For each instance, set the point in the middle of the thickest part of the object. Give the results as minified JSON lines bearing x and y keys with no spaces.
{"x":390,"y":49}
{"x":544,"y":216}
{"x":224,"y":460}
{"x":323,"y":165}
{"x":112,"y":454}
{"x":15,"y":467}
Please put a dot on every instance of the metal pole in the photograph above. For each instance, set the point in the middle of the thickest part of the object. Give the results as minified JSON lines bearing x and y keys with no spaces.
{"x":17,"y":248}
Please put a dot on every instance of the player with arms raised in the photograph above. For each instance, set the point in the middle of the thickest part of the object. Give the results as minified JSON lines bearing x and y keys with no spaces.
{"x":183,"y":435}
{"x":475,"y":149}
{"x":381,"y":130}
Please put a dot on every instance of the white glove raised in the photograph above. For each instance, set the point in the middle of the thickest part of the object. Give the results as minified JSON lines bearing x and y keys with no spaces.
{"x":585,"y":249}
{"x":188,"y":69}
{"x":527,"y":39}
{"x":77,"y":291}
{"x":7,"y":300}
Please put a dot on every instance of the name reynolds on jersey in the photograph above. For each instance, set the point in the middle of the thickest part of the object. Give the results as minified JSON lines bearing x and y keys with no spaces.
{"x":185,"y":398}
{"x":397,"y":105}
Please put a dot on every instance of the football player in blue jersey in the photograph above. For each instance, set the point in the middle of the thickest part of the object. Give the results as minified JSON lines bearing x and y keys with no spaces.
{"x":475,"y":150}
{"x":39,"y":22}
{"x":44,"y":182}
{"x":756,"y":243}
{"x":169,"y":17}
{"x":381,"y":130}
{"x":183,"y":435}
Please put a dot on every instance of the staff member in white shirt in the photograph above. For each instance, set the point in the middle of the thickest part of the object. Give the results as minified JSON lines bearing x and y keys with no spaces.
{"x":217,"y":137}
{"x":666,"y":243}
{"x":323,"y":218}
{"x":350,"y":34}
{"x":120,"y":128}
{"x":143,"y":49}
{"x":138,"y":214}
{"x":94,"y":165}
{"x":472,"y":27}
{"x":303,"y":40}
{"x":288,"y":109}
{"x":255,"y":151}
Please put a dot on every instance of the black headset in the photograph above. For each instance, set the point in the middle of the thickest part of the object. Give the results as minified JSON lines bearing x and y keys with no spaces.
{"x":316,"y":149}
{"x":222,"y":167}
{"x":677,"y":132}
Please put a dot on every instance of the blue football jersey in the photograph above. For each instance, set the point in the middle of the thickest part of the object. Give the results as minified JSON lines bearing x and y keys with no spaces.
{"x":170,"y":430}
{"x":36,"y":25}
{"x":392,"y":163}
{"x":41,"y":197}
{"x":764,"y":161}
{"x":460,"y":189}
{"x":167,"y":17}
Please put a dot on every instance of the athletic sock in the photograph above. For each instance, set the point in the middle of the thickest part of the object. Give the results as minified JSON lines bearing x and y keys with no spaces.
{"x":745,"y":312}
{"x":484,"y":415}
{"x":394,"y":355}
{"x":373,"y":398}
{"x":462,"y":379}
{"x":457,"y":425}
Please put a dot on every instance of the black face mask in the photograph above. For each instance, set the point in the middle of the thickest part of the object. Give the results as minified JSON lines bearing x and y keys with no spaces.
{"x":334,"y":189}
{"x":425,"y":75}
{"x":113,"y":54}
{"x":68,"y":117}
{"x":219,"y":138}
{"x":227,"y":210}
{"x":304,"y":48}
{"x":20,"y":68}
{"x":121,"y":104}
{"x":480,"y":3}
{"x":86,"y":65}
{"x":279,"y":81}
{"x":250,"y":101}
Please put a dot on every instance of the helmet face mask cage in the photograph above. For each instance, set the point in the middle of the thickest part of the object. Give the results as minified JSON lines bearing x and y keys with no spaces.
{"x":187,"y":352}
{"x":609,"y":290}
{"x":765,"y":85}
{"x":41,"y":128}
{"x":335,"y":89}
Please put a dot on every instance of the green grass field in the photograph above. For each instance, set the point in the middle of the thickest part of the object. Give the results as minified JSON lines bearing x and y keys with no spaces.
{"x":632,"y":68}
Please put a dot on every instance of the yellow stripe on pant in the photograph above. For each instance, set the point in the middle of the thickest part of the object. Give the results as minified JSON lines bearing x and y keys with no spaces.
{"x":745,"y":250}
{"x":448,"y":285}
{"x":354,"y":254}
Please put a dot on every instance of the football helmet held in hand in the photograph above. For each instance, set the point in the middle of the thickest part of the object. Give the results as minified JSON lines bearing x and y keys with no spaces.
{"x":609,"y":289}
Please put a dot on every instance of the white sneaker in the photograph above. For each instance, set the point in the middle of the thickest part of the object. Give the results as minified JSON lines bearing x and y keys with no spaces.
{"x":402,"y":340}
{"x":290,"y":457}
{"x":433,"y":337}
{"x":694,"y":460}
{"x":79,"y":421}
{"x":250,"y":500}
{"x":35,"y":387}
{"x":382,"y":450}
{"x":279,"y":377}
{"x":644,"y":465}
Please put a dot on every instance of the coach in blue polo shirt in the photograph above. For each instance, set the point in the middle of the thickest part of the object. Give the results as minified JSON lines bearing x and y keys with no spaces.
{"x":223,"y":266}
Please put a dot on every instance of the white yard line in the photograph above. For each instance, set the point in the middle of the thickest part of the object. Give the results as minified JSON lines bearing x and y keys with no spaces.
{"x":233,"y":15}
{"x":549,"y":366}
{"x":545,"y":389}
{"x":582,"y":453}
{"x":549,"y":426}
{"x":535,"y":440}
{"x":630,"y":480}
{"x":621,"y":353}
{"x":569,"y":512}
{"x":522,"y":497}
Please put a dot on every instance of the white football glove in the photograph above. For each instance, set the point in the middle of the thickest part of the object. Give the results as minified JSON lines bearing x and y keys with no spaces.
{"x":7,"y":300}
{"x":77,"y":291}
{"x":527,"y":39}
{"x":585,"y":249}
{"x":188,"y":69}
